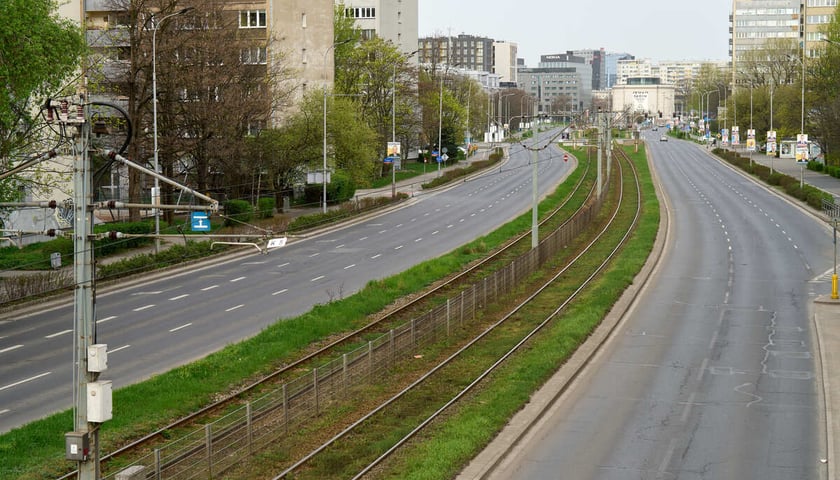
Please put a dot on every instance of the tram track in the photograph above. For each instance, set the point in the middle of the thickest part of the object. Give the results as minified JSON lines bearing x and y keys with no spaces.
{"x":556,"y":217}
{"x":495,"y":344}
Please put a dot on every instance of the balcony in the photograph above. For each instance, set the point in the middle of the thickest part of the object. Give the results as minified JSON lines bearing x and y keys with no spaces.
{"x":113,"y":37}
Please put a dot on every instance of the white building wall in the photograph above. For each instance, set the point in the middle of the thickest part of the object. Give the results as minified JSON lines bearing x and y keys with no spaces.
{"x":641,"y":99}
{"x":504,"y":64}
{"x":394,"y":20}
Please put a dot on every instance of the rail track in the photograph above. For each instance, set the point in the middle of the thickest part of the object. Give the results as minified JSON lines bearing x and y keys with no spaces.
{"x":557,"y":217}
{"x":625,"y":215}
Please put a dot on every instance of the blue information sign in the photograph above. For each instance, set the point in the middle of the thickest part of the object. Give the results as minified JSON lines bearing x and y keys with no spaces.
{"x":200,"y":222}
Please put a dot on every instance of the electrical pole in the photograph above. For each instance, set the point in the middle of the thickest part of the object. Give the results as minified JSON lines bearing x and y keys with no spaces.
{"x":535,"y":237}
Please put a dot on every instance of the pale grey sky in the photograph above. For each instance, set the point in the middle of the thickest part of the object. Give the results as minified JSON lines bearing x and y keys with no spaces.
{"x":653,"y":29}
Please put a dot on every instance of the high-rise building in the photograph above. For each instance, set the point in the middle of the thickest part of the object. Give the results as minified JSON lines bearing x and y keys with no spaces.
{"x":504,"y":60}
{"x":818,"y":13}
{"x":753,"y":22}
{"x":596,"y":58}
{"x":394,"y":20}
{"x":464,"y":51}
{"x":566,"y":86}
{"x":611,"y":66}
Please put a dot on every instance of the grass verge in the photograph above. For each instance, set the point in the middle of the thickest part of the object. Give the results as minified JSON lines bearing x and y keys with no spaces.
{"x":449,"y":445}
{"x":152,"y":404}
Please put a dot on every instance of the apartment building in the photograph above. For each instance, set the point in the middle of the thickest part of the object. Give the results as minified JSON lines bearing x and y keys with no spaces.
{"x":394,"y":20}
{"x":504,"y":60}
{"x":465,"y":51}
{"x":818,"y":13}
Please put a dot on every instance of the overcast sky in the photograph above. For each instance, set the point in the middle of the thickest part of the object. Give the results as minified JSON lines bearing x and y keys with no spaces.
{"x":652,"y":29}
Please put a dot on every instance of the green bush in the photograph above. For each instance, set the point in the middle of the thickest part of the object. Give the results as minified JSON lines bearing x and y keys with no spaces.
{"x":340,"y":189}
{"x":108,"y":246}
{"x":173,"y":255}
{"x":265,"y":207}
{"x":237,"y":212}
{"x":792,"y":186}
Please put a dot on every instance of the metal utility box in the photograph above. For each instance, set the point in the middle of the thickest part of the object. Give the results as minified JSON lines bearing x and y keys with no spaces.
{"x":77,"y":446}
{"x":97,"y":357}
{"x":55,"y":260}
{"x":99,"y":401}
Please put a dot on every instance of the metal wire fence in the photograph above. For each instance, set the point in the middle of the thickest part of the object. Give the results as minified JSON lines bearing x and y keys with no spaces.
{"x":211,"y":450}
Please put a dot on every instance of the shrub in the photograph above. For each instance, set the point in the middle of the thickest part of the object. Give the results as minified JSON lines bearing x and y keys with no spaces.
{"x":265,"y":207}
{"x":237,"y":211}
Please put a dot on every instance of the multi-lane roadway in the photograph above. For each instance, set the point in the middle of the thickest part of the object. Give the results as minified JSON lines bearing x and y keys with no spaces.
{"x":712,"y":374}
{"x":157,"y":325}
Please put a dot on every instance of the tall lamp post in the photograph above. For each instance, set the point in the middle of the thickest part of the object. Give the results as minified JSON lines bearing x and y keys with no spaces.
{"x":156,"y":193}
{"x":324,"y":171}
{"x":394,"y":125}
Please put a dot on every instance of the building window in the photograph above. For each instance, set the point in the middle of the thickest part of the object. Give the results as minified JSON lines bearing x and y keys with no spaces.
{"x":252,"y":19}
{"x":819,"y":19}
{"x":255,"y":127}
{"x":253,"y":56}
{"x":822,"y":3}
{"x":360,"y":12}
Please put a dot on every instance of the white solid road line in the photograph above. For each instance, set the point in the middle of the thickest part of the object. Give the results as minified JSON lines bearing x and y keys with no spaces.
{"x":36,"y":377}
{"x":58,"y":334}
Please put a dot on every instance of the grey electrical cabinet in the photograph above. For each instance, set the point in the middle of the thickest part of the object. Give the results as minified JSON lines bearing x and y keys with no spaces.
{"x":77,"y":445}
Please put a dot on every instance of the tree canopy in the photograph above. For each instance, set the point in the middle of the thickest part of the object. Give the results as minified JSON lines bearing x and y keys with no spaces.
{"x":38,"y":52}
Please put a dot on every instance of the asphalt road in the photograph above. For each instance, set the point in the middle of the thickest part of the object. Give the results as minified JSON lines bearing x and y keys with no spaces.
{"x":712,"y":374}
{"x":184,"y":316}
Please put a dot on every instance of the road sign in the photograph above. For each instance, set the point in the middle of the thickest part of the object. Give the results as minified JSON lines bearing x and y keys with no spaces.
{"x":276,"y":243}
{"x":200,"y":222}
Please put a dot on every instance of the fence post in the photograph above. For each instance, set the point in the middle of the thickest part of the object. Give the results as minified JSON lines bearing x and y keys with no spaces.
{"x":447,"y":317}
{"x":484,"y":295}
{"x":370,"y":359}
{"x":413,"y":334}
{"x":249,"y":426}
{"x":208,"y":443}
{"x":344,"y":371}
{"x":475,"y":300}
{"x":315,"y":388}
{"x":461,"y":317}
{"x":157,"y":464}
{"x":286,"y":408}
{"x":393,"y":348}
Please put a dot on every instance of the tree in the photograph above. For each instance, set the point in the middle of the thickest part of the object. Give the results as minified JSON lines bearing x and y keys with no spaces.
{"x":371,"y":72}
{"x":38,"y":53}
{"x":826,"y":97}
{"x":216,"y":83}
{"x":298,"y":143}
{"x":450,"y":126}
{"x":220,"y":87}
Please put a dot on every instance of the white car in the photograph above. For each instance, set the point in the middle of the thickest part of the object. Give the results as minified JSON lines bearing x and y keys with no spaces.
{"x":663,"y":138}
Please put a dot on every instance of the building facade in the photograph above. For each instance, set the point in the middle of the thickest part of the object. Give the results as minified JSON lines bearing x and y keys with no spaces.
{"x":567,"y":88}
{"x":644,"y":97}
{"x":394,"y":20}
{"x":504,"y":61}
{"x":464,"y":51}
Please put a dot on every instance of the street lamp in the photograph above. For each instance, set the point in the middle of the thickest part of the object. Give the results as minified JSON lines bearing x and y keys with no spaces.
{"x":707,"y":95}
{"x":802,"y":118}
{"x":156,"y":193}
{"x":440,"y":117}
{"x":394,"y":125}
{"x":324,"y":171}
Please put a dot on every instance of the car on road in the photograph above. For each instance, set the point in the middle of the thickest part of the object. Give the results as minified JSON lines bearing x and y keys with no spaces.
{"x":663,"y":138}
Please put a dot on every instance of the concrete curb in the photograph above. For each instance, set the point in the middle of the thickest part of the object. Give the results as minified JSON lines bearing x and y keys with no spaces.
{"x":546,"y":399}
